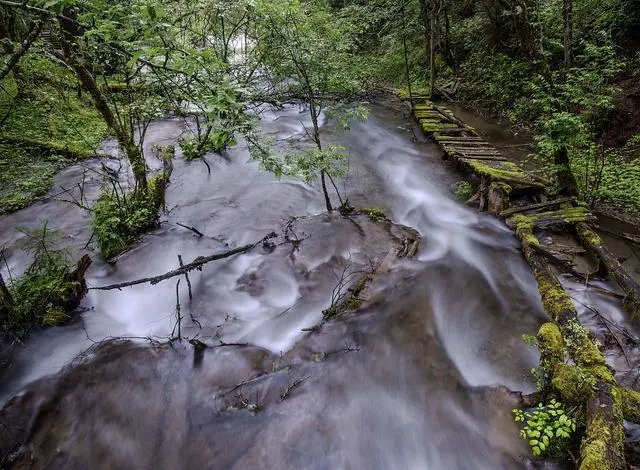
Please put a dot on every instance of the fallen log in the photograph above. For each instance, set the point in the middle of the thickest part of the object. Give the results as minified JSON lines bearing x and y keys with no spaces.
{"x":50,"y":147}
{"x":588,"y":383}
{"x":536,"y":207}
{"x":628,"y":284}
{"x":195,"y":264}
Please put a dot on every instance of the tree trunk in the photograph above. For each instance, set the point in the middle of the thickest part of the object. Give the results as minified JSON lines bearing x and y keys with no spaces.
{"x":566,"y":180}
{"x":406,"y":54}
{"x":327,"y":200}
{"x":432,"y":64}
{"x":21,"y":50}
{"x":568,"y":32}
{"x":125,"y":138}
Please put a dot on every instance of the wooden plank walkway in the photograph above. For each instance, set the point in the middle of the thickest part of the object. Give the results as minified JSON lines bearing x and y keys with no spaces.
{"x":501,"y":179}
{"x":508,"y":191}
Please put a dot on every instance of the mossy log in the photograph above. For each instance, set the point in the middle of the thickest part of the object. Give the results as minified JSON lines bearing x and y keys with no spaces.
{"x":48,"y":148}
{"x":474,"y":156}
{"x":589,"y":383}
{"x":628,"y":284}
{"x":537,"y":207}
{"x":562,"y":218}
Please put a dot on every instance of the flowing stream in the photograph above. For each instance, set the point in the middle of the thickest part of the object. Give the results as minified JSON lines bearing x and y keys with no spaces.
{"x":406,"y":382}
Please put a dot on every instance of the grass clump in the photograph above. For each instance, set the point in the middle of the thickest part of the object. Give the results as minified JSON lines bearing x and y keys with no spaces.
{"x":375,"y":214}
{"x":42,"y":295}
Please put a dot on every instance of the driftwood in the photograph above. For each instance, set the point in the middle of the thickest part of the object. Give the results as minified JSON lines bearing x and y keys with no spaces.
{"x":183,"y":270}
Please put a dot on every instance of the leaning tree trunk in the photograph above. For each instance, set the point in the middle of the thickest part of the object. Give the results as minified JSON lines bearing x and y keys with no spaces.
{"x":316,"y":138}
{"x":124,"y":137}
{"x":21,"y":50}
{"x":606,"y":404}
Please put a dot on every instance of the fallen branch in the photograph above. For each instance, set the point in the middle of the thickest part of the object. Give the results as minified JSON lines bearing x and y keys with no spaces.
{"x":195,"y":264}
{"x":186,"y":275}
{"x":291,"y":387}
{"x":193,"y":229}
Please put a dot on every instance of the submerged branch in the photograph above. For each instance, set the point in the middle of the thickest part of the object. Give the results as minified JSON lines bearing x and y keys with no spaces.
{"x":183,"y":270}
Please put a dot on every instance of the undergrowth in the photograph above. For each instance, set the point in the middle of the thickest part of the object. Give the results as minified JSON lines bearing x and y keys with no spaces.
{"x":40,"y":296}
{"x":120,"y":218}
{"x":47,"y":109}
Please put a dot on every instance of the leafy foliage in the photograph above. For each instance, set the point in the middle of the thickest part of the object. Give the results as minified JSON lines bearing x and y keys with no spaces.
{"x":547,"y":428}
{"x":120,"y":218}
{"x":463,"y":190}
{"x":42,"y":292}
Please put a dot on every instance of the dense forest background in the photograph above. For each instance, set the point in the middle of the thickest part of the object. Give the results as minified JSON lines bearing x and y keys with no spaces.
{"x":566,"y":69}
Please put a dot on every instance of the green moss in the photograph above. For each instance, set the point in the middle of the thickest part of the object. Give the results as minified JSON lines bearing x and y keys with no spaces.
{"x":603,"y":446}
{"x":572,"y":383}
{"x":47,"y":110}
{"x":555,"y":300}
{"x":504,"y":171}
{"x":593,"y":453}
{"x":591,"y":237}
{"x":630,"y":404}
{"x":582,"y":348}
{"x":550,"y":340}
{"x":503,"y":187}
{"x":523,"y":226}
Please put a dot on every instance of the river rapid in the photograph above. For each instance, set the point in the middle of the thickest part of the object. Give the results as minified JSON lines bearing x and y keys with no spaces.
{"x":408,"y":381}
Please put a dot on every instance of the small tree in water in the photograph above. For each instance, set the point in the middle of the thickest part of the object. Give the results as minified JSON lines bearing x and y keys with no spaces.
{"x":306,"y":53}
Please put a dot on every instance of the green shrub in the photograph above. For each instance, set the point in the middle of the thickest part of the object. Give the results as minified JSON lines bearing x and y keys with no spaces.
{"x":120,"y":218}
{"x":547,"y":428}
{"x":42,"y":293}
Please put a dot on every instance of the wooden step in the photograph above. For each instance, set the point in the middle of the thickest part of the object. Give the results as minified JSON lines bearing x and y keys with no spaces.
{"x":450,"y":139}
{"x":536,"y":207}
{"x":495,"y":158}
